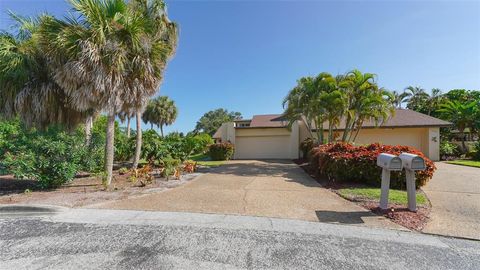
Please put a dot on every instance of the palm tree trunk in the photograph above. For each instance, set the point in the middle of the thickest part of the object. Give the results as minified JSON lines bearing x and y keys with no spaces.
{"x":330,"y":131}
{"x":88,"y":129}
{"x":109,"y":146}
{"x":128,"y":127}
{"x":347,"y":128}
{"x":161,"y":130}
{"x":464,"y":147}
{"x":151,"y":125}
{"x":359,"y":126}
{"x":319,"y":127}
{"x":138,"y":145}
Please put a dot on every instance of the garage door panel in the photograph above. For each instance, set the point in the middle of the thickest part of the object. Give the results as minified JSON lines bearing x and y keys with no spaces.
{"x":262,"y":147}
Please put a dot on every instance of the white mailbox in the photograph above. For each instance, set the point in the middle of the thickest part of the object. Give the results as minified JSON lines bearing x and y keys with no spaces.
{"x":389,"y":162}
{"x":412,"y":162}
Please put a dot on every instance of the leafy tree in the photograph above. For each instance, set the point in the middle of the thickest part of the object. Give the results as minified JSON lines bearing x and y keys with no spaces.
{"x":160,"y":111}
{"x":212,"y":120}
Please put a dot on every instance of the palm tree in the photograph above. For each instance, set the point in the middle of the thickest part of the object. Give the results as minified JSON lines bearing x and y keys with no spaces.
{"x":434,"y":100}
{"x":303,"y":102}
{"x":416,"y":98}
{"x":111,"y":58}
{"x":461,"y":115}
{"x":160,"y":111}
{"x":399,"y":98}
{"x":27,"y":86}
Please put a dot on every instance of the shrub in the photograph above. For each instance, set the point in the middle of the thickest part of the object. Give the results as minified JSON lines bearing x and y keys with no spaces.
{"x":448,"y":150}
{"x":221,"y":151}
{"x":346,"y":163}
{"x":52,"y":157}
{"x":306,"y":146}
{"x":152,"y":147}
{"x":477,"y":153}
{"x":171,"y":166}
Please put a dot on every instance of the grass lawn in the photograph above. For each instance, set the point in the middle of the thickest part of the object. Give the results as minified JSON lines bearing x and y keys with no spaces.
{"x":470,"y":163}
{"x":394,"y":196}
{"x":204,"y":160}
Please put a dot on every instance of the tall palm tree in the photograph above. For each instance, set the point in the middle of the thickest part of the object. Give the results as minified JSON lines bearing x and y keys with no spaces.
{"x":111,"y":58}
{"x":460,"y":114}
{"x":160,"y":111}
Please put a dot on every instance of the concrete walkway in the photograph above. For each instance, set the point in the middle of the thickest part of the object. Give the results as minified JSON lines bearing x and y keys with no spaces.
{"x":455,"y":195}
{"x":257,"y":188}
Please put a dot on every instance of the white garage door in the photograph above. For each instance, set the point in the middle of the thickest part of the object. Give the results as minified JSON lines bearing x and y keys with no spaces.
{"x":262,"y":147}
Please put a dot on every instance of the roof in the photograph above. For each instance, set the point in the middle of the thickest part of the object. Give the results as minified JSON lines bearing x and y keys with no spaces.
{"x":403,"y":118}
{"x":218,"y":134}
{"x":268,"y":120}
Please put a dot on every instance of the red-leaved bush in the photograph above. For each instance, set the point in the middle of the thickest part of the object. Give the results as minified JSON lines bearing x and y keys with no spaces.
{"x":344,"y":162}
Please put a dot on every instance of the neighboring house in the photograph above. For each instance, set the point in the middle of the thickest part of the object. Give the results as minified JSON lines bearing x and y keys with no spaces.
{"x":267,"y":136}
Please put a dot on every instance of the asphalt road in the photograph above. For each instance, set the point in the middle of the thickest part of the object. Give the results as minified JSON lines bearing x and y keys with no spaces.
{"x":116,"y":239}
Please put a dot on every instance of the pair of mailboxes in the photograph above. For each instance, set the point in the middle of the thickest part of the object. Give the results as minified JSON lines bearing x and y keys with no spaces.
{"x":403,"y":161}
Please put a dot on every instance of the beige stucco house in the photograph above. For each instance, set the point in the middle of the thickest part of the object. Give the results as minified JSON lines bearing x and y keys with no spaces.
{"x":268,"y":137}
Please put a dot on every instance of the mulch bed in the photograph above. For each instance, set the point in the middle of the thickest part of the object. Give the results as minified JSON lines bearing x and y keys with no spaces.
{"x":84,"y":190}
{"x":395,"y":212}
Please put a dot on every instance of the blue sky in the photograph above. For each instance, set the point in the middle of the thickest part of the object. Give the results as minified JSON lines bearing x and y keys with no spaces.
{"x":245,"y":56}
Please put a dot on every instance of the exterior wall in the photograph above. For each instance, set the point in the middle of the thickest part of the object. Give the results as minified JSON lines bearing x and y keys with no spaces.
{"x":434,"y":143}
{"x":267,"y":143}
{"x":420,"y":138}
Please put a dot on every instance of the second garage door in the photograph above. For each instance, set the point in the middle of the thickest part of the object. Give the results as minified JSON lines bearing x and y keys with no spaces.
{"x":262,"y":147}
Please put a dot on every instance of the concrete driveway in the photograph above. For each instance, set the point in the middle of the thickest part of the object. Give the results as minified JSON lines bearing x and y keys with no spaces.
{"x":257,"y":188}
{"x":454,"y":193}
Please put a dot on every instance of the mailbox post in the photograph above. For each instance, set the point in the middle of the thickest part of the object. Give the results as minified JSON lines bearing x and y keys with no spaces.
{"x":388,"y":163}
{"x":412,"y":163}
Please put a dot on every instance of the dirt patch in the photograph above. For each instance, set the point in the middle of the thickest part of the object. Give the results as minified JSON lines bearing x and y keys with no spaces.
{"x":396,"y":212}
{"x":82,"y":191}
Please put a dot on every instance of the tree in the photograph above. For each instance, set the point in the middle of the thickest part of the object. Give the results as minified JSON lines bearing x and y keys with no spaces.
{"x":354,"y":97}
{"x":462,"y":115}
{"x":212,"y":120}
{"x":111,"y":58}
{"x":399,"y":98}
{"x":27,"y":88}
{"x":417,"y":99}
{"x":160,"y":111}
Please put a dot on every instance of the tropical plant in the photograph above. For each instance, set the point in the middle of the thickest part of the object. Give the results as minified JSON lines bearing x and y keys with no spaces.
{"x":354,"y":97}
{"x":399,"y":98}
{"x":461,"y":115}
{"x":416,"y":98}
{"x":27,"y":86}
{"x":111,"y":58}
{"x":343,"y":162}
{"x":160,"y":111}
{"x":212,"y":120}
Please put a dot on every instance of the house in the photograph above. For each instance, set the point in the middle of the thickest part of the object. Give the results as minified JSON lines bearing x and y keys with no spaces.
{"x":268,"y":136}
